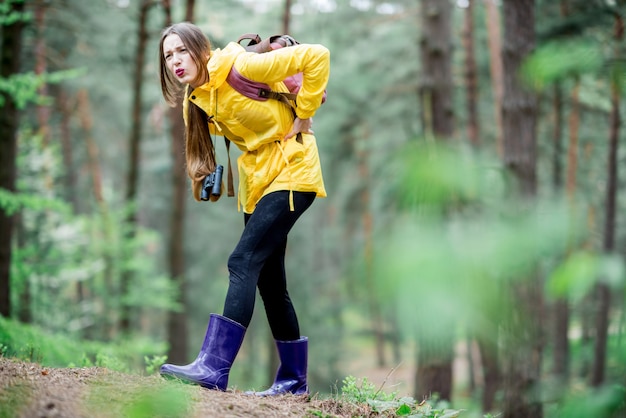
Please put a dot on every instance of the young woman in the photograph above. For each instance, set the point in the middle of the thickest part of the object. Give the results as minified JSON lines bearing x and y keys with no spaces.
{"x":279,"y":177}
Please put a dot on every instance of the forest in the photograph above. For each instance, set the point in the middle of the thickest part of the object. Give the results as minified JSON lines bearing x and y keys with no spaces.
{"x":470,"y":255}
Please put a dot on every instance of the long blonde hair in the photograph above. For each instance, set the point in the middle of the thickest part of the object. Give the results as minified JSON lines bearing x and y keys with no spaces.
{"x":199,"y":148}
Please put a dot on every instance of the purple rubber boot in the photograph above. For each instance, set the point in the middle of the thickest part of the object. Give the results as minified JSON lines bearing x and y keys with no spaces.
{"x":219,"y":349}
{"x":291,"y":374}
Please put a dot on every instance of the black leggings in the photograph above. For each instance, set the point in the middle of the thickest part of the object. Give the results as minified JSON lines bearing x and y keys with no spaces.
{"x":259,"y":260}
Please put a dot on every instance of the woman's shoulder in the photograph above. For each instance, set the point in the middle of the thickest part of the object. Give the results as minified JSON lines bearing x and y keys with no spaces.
{"x":232,"y":49}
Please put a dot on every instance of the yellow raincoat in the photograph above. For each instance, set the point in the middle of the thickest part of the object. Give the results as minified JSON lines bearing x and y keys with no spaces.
{"x":268,"y":163}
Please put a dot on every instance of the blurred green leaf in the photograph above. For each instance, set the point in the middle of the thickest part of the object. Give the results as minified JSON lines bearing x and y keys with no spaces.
{"x":440,"y":175}
{"x":574,"y":277}
{"x":403,"y":410}
{"x":167,"y":402}
{"x":608,"y":401}
{"x":558,"y":60}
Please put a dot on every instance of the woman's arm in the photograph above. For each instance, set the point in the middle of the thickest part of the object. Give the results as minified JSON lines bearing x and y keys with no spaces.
{"x":312,"y":60}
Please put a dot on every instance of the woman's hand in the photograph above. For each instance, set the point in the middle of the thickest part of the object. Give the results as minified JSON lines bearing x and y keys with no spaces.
{"x":300,"y":126}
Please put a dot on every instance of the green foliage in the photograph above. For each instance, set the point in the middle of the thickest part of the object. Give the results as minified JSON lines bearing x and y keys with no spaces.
{"x":8,"y":16}
{"x":364,"y":392}
{"x":90,"y":251}
{"x":62,"y":251}
{"x":24,"y":87}
{"x":574,"y":277}
{"x":438,"y":176}
{"x":12,"y":202}
{"x":605,"y":402}
{"x":580,"y":271}
{"x":459,"y":238}
{"x":111,"y":362}
{"x":154,"y":363}
{"x":559,"y":60}
{"x":13,"y":398}
{"x":166,"y":401}
{"x":133,"y":396}
{"x":31,"y":343}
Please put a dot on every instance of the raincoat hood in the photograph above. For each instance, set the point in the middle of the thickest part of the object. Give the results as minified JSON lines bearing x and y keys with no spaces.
{"x":220,"y":62}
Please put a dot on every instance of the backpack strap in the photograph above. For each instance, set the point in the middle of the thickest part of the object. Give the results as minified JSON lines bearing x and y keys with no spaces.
{"x":256,"y":90}
{"x":253,"y":38}
{"x":255,"y":43}
{"x":231,"y":188}
{"x":259,"y":45}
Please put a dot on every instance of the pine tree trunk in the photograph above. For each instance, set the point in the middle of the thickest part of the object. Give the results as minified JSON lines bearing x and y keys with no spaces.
{"x":522,"y":330}
{"x":132,"y":181}
{"x":106,"y":326}
{"x":608,"y":246}
{"x":495,"y":63}
{"x":471,"y":77}
{"x":177,"y":327}
{"x":560,"y":308}
{"x":372,"y":297}
{"x":436,"y":76}
{"x":557,"y":141}
{"x":10,"y":48}
{"x":435,"y":354}
{"x":488,"y":347}
{"x":177,"y":321}
{"x":43,"y":111}
{"x":434,"y":367}
{"x":189,"y":10}
{"x":287,"y":17}
{"x":572,"y":153}
{"x":69,"y":175}
{"x":519,"y":106}
{"x":67,"y":151}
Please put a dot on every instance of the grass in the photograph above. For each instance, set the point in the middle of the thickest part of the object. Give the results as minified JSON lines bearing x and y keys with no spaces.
{"x":139,"y":397}
{"x":24,"y":342}
{"x":13,"y":398}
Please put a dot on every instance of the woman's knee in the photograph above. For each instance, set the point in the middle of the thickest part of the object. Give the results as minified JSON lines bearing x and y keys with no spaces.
{"x":237,"y":266}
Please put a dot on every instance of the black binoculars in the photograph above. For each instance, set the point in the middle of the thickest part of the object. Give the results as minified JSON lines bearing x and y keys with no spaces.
{"x":212,"y":184}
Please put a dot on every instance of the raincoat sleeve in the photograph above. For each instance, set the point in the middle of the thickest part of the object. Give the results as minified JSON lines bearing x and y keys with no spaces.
{"x":312,"y":60}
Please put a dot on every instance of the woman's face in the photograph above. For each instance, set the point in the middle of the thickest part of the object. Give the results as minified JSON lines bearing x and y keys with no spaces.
{"x":179,"y":61}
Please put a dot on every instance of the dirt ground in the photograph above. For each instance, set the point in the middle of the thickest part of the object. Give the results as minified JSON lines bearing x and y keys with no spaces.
{"x":28,"y":390}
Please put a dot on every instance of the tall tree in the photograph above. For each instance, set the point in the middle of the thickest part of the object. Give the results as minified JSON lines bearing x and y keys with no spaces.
{"x":24,"y":311}
{"x":43,"y":111}
{"x":64,"y":107}
{"x":561,"y":308}
{"x":608,"y":242}
{"x":495,"y":64}
{"x":487,"y":338}
{"x":471,"y":75}
{"x":436,"y":76}
{"x":523,"y":334}
{"x":106,"y":326}
{"x":436,"y":349}
{"x":177,"y":328}
{"x":287,"y":17}
{"x":10,"y":48}
{"x":132,"y":181}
